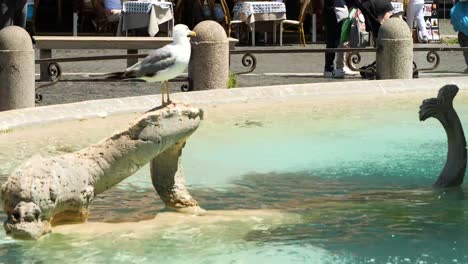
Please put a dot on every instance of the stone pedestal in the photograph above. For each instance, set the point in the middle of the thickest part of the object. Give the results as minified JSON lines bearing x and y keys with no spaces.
{"x":16,"y":69}
{"x":394,"y":50}
{"x":209,"y":62}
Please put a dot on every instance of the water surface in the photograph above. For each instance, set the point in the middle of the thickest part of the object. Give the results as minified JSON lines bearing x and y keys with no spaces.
{"x":352,"y":177}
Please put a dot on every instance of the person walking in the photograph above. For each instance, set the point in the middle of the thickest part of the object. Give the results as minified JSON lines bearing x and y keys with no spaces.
{"x":415,"y":11}
{"x":459,"y":19}
{"x":12,"y":12}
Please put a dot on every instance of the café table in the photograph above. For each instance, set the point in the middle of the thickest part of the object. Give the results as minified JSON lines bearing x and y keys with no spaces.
{"x":259,"y":11}
{"x":150,"y":14}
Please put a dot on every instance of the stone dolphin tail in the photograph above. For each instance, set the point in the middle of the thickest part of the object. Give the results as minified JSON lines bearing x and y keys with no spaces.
{"x":44,"y":192}
{"x":442,"y":109}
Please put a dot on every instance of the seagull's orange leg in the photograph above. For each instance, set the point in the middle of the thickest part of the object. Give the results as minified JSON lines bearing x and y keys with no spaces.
{"x":162,"y":94}
{"x":167,"y":92}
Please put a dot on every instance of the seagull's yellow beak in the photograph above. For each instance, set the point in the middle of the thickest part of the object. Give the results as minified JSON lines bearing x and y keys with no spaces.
{"x":191,"y":34}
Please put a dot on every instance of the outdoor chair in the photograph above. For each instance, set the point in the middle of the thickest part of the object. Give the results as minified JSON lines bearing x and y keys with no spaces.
{"x":91,"y":12}
{"x":228,"y":23}
{"x":298,"y":25}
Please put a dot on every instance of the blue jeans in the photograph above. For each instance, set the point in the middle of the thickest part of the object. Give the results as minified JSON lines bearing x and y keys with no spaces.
{"x":463,"y":40}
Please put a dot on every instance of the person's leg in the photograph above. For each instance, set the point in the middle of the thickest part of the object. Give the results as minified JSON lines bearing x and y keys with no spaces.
{"x":340,"y":57}
{"x":330,"y":37}
{"x":410,"y":14}
{"x":339,"y":71}
{"x":114,"y":15}
{"x":463,"y":40}
{"x":419,"y":9}
{"x":20,"y":14}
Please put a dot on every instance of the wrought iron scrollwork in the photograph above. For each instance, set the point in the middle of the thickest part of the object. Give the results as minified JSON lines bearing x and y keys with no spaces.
{"x":188,"y":86}
{"x":248,"y":60}
{"x":353,"y":59}
{"x":184,"y":87}
{"x":54,"y":71}
{"x":433,"y":58}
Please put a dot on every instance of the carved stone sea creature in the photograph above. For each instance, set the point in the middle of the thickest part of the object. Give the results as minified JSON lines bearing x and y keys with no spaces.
{"x":441,"y":108}
{"x":47,"y":191}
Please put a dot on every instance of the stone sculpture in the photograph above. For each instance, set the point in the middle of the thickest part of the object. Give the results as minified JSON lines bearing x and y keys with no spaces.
{"x":442,"y":109}
{"x":44,"y":192}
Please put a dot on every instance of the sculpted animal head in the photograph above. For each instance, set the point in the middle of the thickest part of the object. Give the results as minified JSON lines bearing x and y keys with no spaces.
{"x":45,"y":192}
{"x":48,"y":191}
{"x":28,"y":199}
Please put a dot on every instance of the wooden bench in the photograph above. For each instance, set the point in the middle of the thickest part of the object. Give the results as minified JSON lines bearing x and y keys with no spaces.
{"x":45,"y":45}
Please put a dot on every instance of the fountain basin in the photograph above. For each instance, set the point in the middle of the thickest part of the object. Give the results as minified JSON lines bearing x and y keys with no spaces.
{"x":346,"y":168}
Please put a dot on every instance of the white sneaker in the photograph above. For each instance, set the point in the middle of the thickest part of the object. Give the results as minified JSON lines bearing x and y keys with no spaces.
{"x":348,"y":71}
{"x":337,"y":73}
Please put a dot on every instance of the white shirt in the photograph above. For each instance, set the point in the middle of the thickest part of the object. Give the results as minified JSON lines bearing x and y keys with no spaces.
{"x":112,"y":4}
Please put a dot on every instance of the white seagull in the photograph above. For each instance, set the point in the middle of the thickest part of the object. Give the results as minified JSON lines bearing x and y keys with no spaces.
{"x":162,"y":64}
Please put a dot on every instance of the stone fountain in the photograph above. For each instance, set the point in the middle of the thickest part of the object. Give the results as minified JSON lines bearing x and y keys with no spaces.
{"x":49,"y":191}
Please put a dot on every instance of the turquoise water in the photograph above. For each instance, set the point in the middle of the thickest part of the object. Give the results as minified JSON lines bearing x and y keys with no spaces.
{"x":354,"y":186}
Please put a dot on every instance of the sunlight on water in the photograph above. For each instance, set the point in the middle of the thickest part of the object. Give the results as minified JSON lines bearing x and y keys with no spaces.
{"x":358,"y":180}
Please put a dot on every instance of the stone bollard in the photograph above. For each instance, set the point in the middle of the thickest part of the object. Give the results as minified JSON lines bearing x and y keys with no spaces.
{"x":394,"y":51}
{"x":209,"y":62}
{"x":16,"y":69}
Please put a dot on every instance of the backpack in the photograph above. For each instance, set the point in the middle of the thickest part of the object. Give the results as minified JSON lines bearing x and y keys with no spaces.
{"x":358,"y":36}
{"x":459,"y":17}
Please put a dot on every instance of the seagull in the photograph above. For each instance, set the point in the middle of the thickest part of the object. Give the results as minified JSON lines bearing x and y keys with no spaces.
{"x":162,"y":64}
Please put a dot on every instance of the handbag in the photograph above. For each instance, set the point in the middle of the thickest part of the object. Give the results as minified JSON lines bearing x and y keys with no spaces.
{"x":345,"y":30}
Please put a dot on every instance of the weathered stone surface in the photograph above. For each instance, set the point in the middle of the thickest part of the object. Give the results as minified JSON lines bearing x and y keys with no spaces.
{"x":441,"y":108}
{"x":49,"y":191}
{"x":209,"y":62}
{"x":394,"y":56}
{"x":16,"y":69}
{"x":172,"y":190}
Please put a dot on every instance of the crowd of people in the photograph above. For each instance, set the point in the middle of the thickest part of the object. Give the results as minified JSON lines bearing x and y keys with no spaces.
{"x":374,"y":13}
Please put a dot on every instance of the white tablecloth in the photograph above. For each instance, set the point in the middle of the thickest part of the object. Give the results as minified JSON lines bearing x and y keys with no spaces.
{"x":265,"y":13}
{"x":397,"y":7}
{"x":250,"y":12}
{"x":142,"y":7}
{"x":139,"y":14}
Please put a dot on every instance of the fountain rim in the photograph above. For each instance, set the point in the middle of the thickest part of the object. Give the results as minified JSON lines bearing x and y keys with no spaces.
{"x":44,"y":115}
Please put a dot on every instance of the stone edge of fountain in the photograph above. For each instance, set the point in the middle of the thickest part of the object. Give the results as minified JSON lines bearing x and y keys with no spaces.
{"x":108,"y":107}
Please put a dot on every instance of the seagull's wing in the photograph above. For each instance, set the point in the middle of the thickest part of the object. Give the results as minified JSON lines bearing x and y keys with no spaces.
{"x":155,"y":62}
{"x":151,"y":65}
